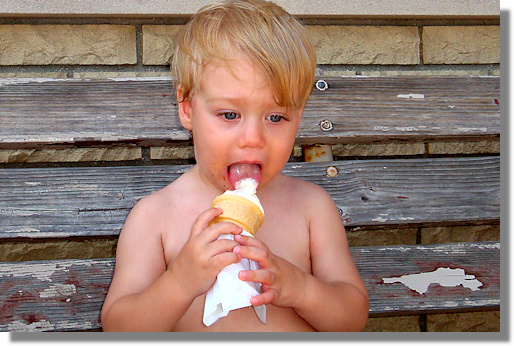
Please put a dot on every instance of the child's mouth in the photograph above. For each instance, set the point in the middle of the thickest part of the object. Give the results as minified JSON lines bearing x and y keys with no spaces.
{"x":240,"y":171}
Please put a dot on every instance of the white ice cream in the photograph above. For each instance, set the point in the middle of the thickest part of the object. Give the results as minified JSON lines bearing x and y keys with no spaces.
{"x":247,"y":188}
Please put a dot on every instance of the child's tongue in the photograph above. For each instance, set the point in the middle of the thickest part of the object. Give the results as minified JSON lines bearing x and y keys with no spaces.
{"x":240,"y":171}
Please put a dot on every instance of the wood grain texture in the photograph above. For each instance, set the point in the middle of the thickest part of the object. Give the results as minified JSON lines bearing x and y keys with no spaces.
{"x":94,"y":201}
{"x":360,"y":109}
{"x":62,"y":295}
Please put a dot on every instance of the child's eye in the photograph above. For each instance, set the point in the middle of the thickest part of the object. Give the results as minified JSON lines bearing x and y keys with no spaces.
{"x":229,"y":115}
{"x":275,"y":118}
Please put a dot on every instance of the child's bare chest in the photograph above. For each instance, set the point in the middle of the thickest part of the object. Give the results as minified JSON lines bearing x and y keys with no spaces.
{"x":284,"y":231}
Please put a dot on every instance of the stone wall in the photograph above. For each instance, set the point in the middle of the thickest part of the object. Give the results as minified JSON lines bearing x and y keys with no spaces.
{"x":99,"y":46}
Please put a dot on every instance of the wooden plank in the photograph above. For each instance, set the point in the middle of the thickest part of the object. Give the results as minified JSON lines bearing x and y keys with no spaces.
{"x":68,"y":294}
{"x":360,"y":109}
{"x":94,"y":201}
{"x":364,"y":109}
{"x":410,"y":191}
{"x":480,"y":261}
{"x":69,"y":111}
{"x":57,"y":295}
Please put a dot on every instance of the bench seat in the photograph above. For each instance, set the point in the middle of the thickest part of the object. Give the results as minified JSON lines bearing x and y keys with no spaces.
{"x":350,"y":110}
{"x":94,"y":201}
{"x":64,"y":295}
{"x":41,"y":202}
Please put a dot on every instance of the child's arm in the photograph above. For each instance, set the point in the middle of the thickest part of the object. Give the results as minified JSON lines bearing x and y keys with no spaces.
{"x":144,"y":294}
{"x":333,"y":297}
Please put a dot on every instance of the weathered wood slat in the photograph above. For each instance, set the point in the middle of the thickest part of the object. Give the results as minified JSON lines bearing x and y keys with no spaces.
{"x":68,"y":294}
{"x":94,"y":201}
{"x":481,"y":261}
{"x":82,"y":112}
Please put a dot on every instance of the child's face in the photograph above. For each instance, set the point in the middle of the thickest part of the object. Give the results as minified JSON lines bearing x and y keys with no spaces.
{"x":235,"y":119}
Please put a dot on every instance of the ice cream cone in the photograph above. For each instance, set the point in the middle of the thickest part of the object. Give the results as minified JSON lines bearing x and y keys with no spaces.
{"x":240,"y":211}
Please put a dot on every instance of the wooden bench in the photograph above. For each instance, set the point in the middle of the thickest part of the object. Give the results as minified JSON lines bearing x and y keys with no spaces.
{"x":45,"y":202}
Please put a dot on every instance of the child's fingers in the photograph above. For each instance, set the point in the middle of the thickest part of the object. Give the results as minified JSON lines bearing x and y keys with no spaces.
{"x":249,"y":241}
{"x":224,"y":259}
{"x":202,"y":222}
{"x":267,"y":297}
{"x":264,"y":277}
{"x":215,"y":230}
{"x":220,"y":246}
{"x":259,"y":255}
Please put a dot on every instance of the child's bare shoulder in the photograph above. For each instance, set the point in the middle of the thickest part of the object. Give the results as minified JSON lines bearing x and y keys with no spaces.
{"x":160,"y":205}
{"x":310,"y":200}
{"x":308,"y":192}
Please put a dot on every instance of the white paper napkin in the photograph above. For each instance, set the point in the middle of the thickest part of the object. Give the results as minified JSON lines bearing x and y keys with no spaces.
{"x":230,"y":293}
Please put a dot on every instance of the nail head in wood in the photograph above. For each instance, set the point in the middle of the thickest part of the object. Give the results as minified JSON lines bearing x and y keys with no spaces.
{"x":321,"y":85}
{"x":326,"y":125}
{"x":332,"y":171}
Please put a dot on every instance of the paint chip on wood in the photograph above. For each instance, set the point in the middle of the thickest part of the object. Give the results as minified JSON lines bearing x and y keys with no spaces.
{"x":58,"y":290}
{"x":411,"y":96}
{"x":445,"y":277}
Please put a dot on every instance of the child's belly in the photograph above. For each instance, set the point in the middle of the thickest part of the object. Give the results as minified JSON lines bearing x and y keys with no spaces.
{"x":243,"y":320}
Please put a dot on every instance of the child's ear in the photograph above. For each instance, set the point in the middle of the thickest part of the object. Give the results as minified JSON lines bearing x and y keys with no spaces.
{"x":184,"y":109}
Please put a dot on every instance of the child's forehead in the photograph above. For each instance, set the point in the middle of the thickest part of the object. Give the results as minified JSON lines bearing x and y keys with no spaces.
{"x":233,"y":77}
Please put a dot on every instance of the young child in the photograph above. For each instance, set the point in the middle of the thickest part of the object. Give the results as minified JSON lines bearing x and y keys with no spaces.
{"x":244,"y":70}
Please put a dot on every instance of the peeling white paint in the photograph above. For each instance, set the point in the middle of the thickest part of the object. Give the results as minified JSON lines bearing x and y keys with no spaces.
{"x":58,"y":290}
{"x":138,"y":79}
{"x":411,"y":96}
{"x":30,"y":232}
{"x":406,"y":128}
{"x":403,"y":218}
{"x":379,"y":219}
{"x":32,"y":183}
{"x":25,"y":231}
{"x":473,"y":129}
{"x":39,"y":326}
{"x":445,"y":277}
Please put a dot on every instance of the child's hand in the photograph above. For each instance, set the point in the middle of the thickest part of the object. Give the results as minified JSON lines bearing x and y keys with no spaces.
{"x":281,"y":281}
{"x":204,"y":255}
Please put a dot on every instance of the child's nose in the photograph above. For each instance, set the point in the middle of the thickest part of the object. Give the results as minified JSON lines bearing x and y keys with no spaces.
{"x":252,"y":135}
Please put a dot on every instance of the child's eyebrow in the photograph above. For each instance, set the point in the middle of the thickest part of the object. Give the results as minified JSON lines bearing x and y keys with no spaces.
{"x":237,"y":100}
{"x":223,"y":98}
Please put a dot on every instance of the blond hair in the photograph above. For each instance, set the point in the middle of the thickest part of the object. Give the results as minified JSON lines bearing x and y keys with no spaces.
{"x":261,"y":30}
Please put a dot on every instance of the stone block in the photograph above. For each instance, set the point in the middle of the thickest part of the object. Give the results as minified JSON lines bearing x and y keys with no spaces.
{"x":380,"y":149}
{"x":54,"y":75}
{"x":364,"y":45}
{"x":70,"y":155}
{"x":486,"y":146}
{"x":159,"y":43}
{"x":488,"y":321}
{"x":172,"y":153}
{"x":379,"y":237}
{"x":461,"y":44}
{"x":57,"y":249}
{"x":393,"y":324}
{"x":453,"y":234}
{"x":67,"y":44}
{"x":105,"y":75}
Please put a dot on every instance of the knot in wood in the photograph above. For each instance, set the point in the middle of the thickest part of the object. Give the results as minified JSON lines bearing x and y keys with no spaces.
{"x":326,"y":125}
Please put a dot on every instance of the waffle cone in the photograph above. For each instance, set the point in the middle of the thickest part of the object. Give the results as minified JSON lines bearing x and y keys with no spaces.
{"x":240,"y":211}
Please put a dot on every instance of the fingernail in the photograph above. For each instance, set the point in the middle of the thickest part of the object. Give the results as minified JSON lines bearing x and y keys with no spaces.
{"x":242,"y":275}
{"x":237,"y":250}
